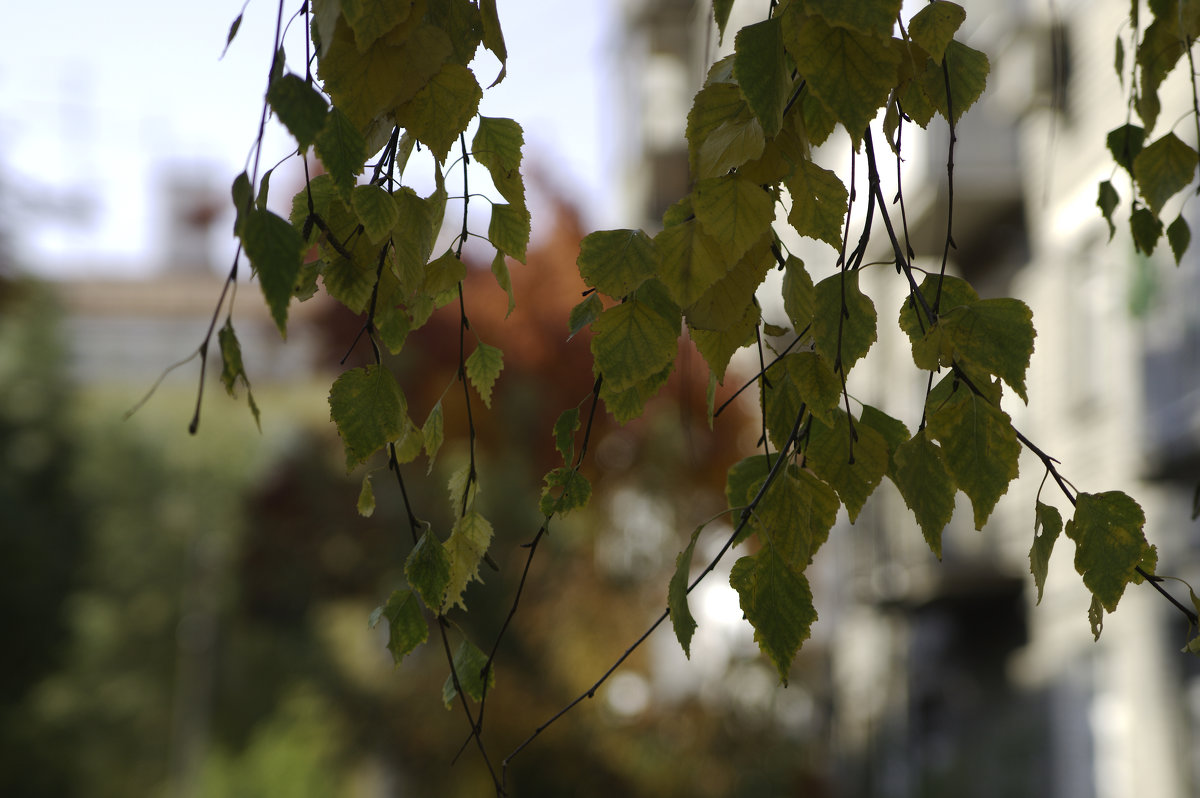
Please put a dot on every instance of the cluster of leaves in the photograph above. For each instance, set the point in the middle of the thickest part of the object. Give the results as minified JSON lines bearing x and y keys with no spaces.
{"x":1162,"y":168}
{"x":396,"y":75}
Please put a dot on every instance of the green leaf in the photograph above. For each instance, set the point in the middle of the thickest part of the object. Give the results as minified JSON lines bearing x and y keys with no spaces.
{"x":631,"y":342}
{"x":442,"y":109}
{"x":843,"y":333}
{"x":376,"y":210}
{"x":968,"y":78}
{"x":366,"y":498}
{"x":504,"y":280}
{"x":1109,"y":543}
{"x":493,"y":37}
{"x":406,"y":625}
{"x":410,"y":443}
{"x":371,"y":19}
{"x":799,"y":295}
{"x":819,"y":201}
{"x":1146,"y":228}
{"x":483,"y":367}
{"x":627,"y":404}
{"x":301,"y":108}
{"x":584,"y":314}
{"x":462,"y":23}
{"x":717,"y":347}
{"x":274,"y":249}
{"x":795,"y":515}
{"x":565,"y":490}
{"x":1096,"y":617}
{"x":1179,"y":236}
{"x":980,"y":448}
{"x":1125,"y":144}
{"x":565,"y":428}
{"x":819,"y":387}
{"x":1107,"y":202}
{"x":681,"y":616}
{"x":853,"y":463}
{"x":736,"y":212}
{"x":369,"y":410}
{"x":508,"y":230}
{"x":342,"y":150}
{"x":995,"y":335}
{"x":778,"y":603}
{"x":1164,"y":168}
{"x":782,"y":398}
{"x":744,"y":478}
{"x":433,"y":434}
{"x":497,"y":145}
{"x":760,"y":66}
{"x":469,"y":666}
{"x":724,"y":304}
{"x":617,"y":261}
{"x":954,"y":292}
{"x":850,"y":72}
{"x":1160,"y":50}
{"x":427,"y":569}
{"x":468,"y":542}
{"x":462,"y":487}
{"x":444,"y":273}
{"x":233,"y":31}
{"x":233,"y":371}
{"x":926,"y":485}
{"x":1046,"y":527}
{"x":722,"y":131}
{"x":934,"y":26}
{"x":721,"y":9}
{"x":369,"y":86}
{"x":893,"y":431}
{"x":874,"y":17}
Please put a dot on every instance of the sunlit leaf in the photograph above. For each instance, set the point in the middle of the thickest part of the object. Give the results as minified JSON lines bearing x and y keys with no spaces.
{"x":690,"y":261}
{"x":717,"y":347}
{"x":371,"y":19}
{"x":725,"y":303}
{"x":366,"y":498}
{"x":875,"y":17}
{"x":722,"y":131}
{"x":376,"y":210}
{"x":795,"y":516}
{"x":799,"y":294}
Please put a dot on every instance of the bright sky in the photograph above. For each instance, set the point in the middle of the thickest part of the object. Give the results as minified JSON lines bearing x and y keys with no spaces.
{"x":95,"y":98}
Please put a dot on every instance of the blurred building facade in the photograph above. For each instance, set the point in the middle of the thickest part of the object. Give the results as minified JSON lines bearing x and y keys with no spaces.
{"x":944,"y":678}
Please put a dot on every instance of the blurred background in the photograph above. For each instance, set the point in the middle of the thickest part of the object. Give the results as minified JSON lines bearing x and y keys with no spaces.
{"x":187,"y":615}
